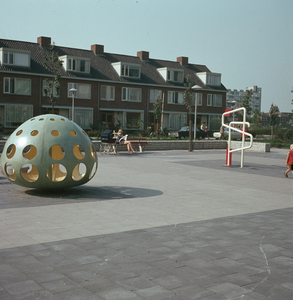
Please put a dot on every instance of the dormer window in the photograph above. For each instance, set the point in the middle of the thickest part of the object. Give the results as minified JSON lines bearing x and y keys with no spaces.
{"x":15,"y":57}
{"x":210,"y":78}
{"x":76,"y":64}
{"x":127,"y":69}
{"x":172,"y":74}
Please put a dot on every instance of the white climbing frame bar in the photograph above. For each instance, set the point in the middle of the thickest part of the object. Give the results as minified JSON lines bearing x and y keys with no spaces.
{"x":242,"y":131}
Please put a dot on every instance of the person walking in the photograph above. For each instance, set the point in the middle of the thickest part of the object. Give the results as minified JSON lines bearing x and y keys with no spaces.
{"x":289,"y":161}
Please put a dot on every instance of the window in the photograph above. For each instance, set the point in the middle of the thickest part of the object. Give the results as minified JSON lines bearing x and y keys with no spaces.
{"x":8,"y":58}
{"x":15,"y":57}
{"x":217,"y":100}
{"x":76,"y":64}
{"x":83,"y":117}
{"x":199,"y":99}
{"x":214,"y":100}
{"x":155,"y":94}
{"x":175,"y":98}
{"x":130,"y":71}
{"x":172,"y":74}
{"x":131,"y":94}
{"x":107,"y":92}
{"x":15,"y":115}
{"x":49,"y":92}
{"x":127,"y":69}
{"x":210,"y":100}
{"x":176,"y":121}
{"x":210,"y":78}
{"x":133,"y":120}
{"x":19,"y":86}
{"x":83,"y":90}
{"x":213,"y":79}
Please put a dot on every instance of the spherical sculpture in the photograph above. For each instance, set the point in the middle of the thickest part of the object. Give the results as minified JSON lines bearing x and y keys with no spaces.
{"x":49,"y":152}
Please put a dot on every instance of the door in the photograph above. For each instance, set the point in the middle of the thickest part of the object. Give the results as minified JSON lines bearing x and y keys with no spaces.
{"x":108,"y":119}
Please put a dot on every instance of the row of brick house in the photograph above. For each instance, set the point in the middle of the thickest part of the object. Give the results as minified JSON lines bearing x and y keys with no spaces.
{"x":111,"y":88}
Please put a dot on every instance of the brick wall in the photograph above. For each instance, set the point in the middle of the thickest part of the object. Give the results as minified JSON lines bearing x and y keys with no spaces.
{"x":184,"y":145}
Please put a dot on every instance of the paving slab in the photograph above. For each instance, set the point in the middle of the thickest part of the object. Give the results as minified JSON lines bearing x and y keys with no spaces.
{"x":154,"y":225}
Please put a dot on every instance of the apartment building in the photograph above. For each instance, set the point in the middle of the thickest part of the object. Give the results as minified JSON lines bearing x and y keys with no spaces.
{"x":111,"y":88}
{"x":235,"y":97}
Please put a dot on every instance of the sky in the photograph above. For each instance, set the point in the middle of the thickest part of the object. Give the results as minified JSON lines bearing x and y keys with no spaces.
{"x":250,"y":42}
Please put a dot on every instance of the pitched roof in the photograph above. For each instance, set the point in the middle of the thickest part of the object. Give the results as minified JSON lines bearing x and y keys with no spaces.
{"x":101,"y":65}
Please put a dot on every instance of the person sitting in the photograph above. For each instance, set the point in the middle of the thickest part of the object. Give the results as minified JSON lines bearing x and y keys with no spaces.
{"x":122,"y":141}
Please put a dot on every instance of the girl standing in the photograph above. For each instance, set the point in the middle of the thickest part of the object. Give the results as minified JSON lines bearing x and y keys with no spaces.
{"x":289,"y":161}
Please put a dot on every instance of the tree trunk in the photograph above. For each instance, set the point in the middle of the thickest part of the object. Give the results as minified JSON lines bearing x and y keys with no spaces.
{"x":190,"y":133}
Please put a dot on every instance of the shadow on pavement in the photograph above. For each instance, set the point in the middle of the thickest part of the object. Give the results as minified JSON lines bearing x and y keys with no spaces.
{"x":23,"y":197}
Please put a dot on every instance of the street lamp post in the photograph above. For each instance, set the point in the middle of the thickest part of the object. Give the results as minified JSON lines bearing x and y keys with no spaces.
{"x":195,"y":87}
{"x":73,"y":90}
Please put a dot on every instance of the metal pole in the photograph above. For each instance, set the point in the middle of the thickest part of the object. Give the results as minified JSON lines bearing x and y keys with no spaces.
{"x":162,"y":114}
{"x":195,"y":113}
{"x":243,"y":136}
{"x":72,"y":107}
{"x":72,"y":90}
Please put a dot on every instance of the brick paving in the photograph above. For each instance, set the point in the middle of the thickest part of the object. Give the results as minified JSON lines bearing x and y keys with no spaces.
{"x":157,"y":225}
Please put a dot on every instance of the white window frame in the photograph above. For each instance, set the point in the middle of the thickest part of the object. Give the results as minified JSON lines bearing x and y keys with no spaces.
{"x":9,"y":80}
{"x":140,"y":119}
{"x":13,"y":58}
{"x":155,"y":94}
{"x":77,"y":111}
{"x":172,"y":97}
{"x":199,"y":99}
{"x":54,"y":92}
{"x":209,"y":78}
{"x":169,"y":74}
{"x":123,"y":69}
{"x":126,"y":93}
{"x":109,"y":91}
{"x":126,"y":70}
{"x":182,"y":120}
{"x":209,"y":100}
{"x":28,"y":107}
{"x":215,"y":100}
{"x":78,"y":86}
{"x":9,"y":56}
{"x":72,"y":63}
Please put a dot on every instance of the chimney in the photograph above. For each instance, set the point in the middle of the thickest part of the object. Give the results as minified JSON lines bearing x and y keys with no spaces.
{"x":44,"y":42}
{"x":98,"y":49}
{"x":143,"y":55}
{"x":183,"y":60}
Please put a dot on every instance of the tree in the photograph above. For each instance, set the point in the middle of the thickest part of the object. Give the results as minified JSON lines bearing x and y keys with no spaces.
{"x":158,"y":110}
{"x":188,"y":103}
{"x":52,"y":86}
{"x":274,"y":110}
{"x":246,"y":101}
{"x":256,"y":119}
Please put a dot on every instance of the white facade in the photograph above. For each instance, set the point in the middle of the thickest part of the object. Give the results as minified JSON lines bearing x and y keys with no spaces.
{"x":235,"y":97}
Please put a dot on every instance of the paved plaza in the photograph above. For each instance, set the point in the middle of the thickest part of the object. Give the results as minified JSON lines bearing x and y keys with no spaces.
{"x":154,"y":225}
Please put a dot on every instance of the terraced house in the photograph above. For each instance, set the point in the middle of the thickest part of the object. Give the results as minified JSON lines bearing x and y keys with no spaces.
{"x":111,"y":88}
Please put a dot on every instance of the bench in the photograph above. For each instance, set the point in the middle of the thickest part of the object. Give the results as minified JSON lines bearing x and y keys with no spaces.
{"x":138,"y":143}
{"x":112,"y":146}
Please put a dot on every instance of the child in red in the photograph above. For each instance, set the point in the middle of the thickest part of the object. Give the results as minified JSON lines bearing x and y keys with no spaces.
{"x":289,"y":161}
